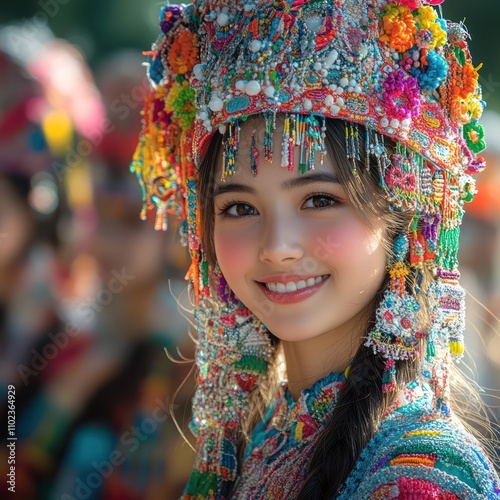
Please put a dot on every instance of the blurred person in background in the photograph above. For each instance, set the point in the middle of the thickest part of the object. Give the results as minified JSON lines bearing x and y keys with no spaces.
{"x":123,"y":442}
{"x":34,"y":132}
{"x":92,"y":379}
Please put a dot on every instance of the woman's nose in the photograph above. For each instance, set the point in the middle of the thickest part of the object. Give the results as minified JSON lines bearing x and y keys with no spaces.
{"x":281,"y":240}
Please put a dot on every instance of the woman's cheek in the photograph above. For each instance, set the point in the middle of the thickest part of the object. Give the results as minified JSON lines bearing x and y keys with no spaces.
{"x":343,"y":241}
{"x":232,"y":249}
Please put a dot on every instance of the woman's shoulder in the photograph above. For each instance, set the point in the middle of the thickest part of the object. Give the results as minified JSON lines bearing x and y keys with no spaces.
{"x":423,"y":455}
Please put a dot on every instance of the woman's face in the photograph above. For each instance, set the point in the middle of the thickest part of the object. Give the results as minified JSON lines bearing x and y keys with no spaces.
{"x":299,"y":234}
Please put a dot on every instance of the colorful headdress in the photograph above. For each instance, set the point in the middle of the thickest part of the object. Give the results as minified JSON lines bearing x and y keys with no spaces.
{"x":395,"y":68}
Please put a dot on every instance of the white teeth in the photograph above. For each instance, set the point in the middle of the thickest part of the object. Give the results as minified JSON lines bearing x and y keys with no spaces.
{"x":294,"y":286}
{"x":301,"y":284}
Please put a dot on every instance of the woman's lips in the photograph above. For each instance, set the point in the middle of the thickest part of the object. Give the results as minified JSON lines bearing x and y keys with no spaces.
{"x":291,"y":297}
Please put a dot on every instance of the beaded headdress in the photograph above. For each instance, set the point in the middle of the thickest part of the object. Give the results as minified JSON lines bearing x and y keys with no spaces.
{"x":399,"y":70}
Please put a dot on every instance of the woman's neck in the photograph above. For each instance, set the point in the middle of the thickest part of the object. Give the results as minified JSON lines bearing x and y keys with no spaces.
{"x":308,"y":361}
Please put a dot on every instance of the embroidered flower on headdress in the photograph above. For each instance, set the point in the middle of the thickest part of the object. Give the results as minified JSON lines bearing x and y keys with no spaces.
{"x":402,"y":96}
{"x":475,"y":107}
{"x":459,"y":110}
{"x":171,"y":96}
{"x":474,"y":135}
{"x":399,"y":27}
{"x":427,"y":19}
{"x":466,"y":83}
{"x":183,"y":54}
{"x":431,"y":71}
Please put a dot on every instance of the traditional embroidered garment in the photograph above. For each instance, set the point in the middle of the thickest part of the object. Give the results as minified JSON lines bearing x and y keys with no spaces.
{"x":387,"y":69}
{"x":416,"y":454}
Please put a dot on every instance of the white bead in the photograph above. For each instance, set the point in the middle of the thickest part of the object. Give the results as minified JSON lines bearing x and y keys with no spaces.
{"x":335,"y":110}
{"x":198,"y":70}
{"x":222,"y":19}
{"x":207,"y":124}
{"x":339,"y":90}
{"x":255,"y":45}
{"x":252,"y":87}
{"x":323,"y":72}
{"x":340,"y":101}
{"x":240,"y":85}
{"x":222,"y":129}
{"x":333,"y":87}
{"x":269,"y":91}
{"x":363,"y":50}
{"x":352,"y":82}
{"x":314,"y":23}
{"x":406,"y":123}
{"x":203,"y":115}
{"x":317,"y":66}
{"x":350,"y":89}
{"x":394,"y":123}
{"x":358,"y":89}
{"x":329,"y":100}
{"x":331,"y":58}
{"x":248,"y":7}
{"x":215,"y":104}
{"x":384,"y":122}
{"x":307,"y":104}
{"x":344,"y":82}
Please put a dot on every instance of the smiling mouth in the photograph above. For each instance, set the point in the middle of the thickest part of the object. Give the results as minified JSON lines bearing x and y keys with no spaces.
{"x":294,"y":286}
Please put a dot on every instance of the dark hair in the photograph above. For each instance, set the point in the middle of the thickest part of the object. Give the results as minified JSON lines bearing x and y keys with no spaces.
{"x":361,"y":403}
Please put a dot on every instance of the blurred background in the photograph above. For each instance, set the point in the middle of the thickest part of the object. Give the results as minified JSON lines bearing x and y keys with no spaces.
{"x":90,"y":295}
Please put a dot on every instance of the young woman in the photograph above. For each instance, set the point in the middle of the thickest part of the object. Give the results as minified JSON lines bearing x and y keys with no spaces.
{"x":319,"y":155}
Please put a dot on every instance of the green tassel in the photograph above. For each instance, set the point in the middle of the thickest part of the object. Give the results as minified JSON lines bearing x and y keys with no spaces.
{"x":202,"y":483}
{"x":431,"y":350}
{"x":448,"y":246}
{"x":204,"y":272}
{"x":253,"y":364}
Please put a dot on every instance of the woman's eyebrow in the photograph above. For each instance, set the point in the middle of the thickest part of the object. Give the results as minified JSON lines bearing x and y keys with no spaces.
{"x":302,"y":180}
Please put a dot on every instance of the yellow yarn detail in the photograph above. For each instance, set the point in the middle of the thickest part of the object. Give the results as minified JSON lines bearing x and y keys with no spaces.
{"x":456,"y":348}
{"x":298,"y":431}
{"x":421,"y":433}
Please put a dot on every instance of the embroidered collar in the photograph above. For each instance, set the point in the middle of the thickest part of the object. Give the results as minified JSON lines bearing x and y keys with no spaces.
{"x":304,"y":417}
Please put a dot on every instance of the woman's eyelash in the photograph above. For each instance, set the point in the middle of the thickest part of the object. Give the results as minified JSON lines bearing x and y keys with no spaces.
{"x":224,"y":209}
{"x":328,"y":196}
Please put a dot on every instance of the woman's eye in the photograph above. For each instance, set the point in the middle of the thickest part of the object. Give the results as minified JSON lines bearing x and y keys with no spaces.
{"x":238,"y":210}
{"x":320,"y":201}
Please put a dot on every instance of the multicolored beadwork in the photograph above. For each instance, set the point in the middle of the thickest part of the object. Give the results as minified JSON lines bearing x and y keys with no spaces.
{"x":396,"y":334}
{"x":395,"y":69}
